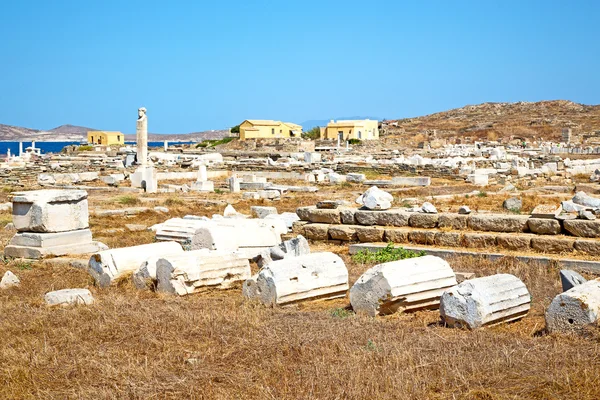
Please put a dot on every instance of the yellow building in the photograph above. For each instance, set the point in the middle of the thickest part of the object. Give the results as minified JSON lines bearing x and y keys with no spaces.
{"x":363,"y":129}
{"x":105,"y":137}
{"x":267,"y":129}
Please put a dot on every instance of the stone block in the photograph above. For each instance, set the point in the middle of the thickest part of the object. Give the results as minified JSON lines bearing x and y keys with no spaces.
{"x":498,"y":223}
{"x":422,"y":237}
{"x":9,"y":280}
{"x":367,"y":234}
{"x":544,"y":226}
{"x":316,"y":231}
{"x":479,"y":240}
{"x":486,"y":301}
{"x":583,"y":228}
{"x":261,"y":211}
{"x":34,"y":239}
{"x":588,"y":246}
{"x":569,"y":279}
{"x":298,"y":227}
{"x":400,"y":286}
{"x":346,"y":233}
{"x":347,"y":215}
{"x":396,"y":235}
{"x":313,"y":276}
{"x":552,"y":245}
{"x":203,"y":186}
{"x":304,"y":212}
{"x":448,"y":239}
{"x":574,"y":309}
{"x":324,"y":216}
{"x":514,"y":242}
{"x":452,"y":221}
{"x":422,"y":220}
{"x":50,"y":210}
{"x":393,"y":217}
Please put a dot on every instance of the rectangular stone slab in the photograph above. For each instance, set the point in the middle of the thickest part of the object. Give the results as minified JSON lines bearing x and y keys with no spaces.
{"x":33,"y":239}
{"x":50,"y":210}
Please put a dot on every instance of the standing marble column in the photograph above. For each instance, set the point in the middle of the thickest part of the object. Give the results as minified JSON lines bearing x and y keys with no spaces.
{"x":142,"y":137}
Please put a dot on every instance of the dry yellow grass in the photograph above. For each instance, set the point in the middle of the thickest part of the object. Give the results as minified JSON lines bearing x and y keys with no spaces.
{"x":142,"y":345}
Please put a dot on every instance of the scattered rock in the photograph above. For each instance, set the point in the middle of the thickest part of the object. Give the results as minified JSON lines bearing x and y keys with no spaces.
{"x":574,"y":309}
{"x":9,"y":280}
{"x":10,"y":227}
{"x":583,"y":199}
{"x":161,"y":209}
{"x":585,"y":214}
{"x":513,"y":204}
{"x":262,"y":211}
{"x":569,"y":279}
{"x":67,"y":297}
{"x":375,"y":199}
{"x":428,"y":208}
{"x":464,"y":210}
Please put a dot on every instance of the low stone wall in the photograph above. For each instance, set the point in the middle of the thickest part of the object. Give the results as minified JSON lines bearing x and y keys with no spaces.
{"x":511,"y":232}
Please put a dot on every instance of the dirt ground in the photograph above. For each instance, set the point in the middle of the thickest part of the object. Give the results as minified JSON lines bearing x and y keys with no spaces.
{"x":142,"y":345}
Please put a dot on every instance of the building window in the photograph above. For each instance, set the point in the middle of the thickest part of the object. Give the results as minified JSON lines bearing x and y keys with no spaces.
{"x":118,"y":138}
{"x":92,"y":139}
{"x":359,"y":134}
{"x":272,"y":131}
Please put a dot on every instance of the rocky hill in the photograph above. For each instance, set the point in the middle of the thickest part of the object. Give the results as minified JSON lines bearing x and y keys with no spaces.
{"x":533,"y":120}
{"x":67,"y":133}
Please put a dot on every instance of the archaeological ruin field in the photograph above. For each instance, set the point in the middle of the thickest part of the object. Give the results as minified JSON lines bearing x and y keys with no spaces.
{"x":412,"y":267}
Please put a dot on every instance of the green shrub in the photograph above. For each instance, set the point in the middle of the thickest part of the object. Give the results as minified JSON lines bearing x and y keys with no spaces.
{"x":214,"y":142}
{"x":354,"y":141}
{"x":341,"y":313}
{"x":482,"y":194}
{"x":387,"y":254}
{"x":85,"y":148}
{"x":128,"y":200}
{"x":235,"y":129}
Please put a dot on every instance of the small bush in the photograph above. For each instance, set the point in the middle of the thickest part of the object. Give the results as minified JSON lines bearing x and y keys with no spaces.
{"x":214,"y":142}
{"x":85,"y":148}
{"x":354,"y":141}
{"x":174,"y":201}
{"x":387,"y":254}
{"x":128,"y":200}
{"x":341,"y":313}
{"x":482,"y":194}
{"x":218,"y":191}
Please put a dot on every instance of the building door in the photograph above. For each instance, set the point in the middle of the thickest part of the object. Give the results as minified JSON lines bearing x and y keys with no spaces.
{"x":341,"y":136}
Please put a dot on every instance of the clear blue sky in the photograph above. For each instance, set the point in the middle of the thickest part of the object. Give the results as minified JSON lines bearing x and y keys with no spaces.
{"x":199,"y":65}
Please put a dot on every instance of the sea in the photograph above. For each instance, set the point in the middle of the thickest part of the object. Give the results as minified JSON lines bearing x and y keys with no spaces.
{"x":56,"y":147}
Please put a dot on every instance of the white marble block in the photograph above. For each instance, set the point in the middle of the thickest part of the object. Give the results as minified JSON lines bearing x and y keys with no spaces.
{"x":50,"y":210}
{"x":486,"y":301}
{"x":406,"y":285}
{"x":312,"y":276}
{"x":68,"y":297}
{"x":108,"y":265}
{"x":195,"y":271}
{"x":575,"y":308}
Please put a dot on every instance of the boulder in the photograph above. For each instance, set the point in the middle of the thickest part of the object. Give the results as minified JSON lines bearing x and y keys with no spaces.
{"x":375,"y":199}
{"x":486,"y":301}
{"x":406,"y":285}
{"x":68,"y":297}
{"x":574,"y":309}
{"x":311,"y":276}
